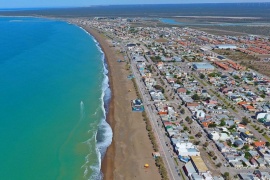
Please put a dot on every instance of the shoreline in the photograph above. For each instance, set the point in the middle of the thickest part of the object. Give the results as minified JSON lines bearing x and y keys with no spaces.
{"x":107,"y":159}
{"x":107,"y":164}
{"x":130,"y":136}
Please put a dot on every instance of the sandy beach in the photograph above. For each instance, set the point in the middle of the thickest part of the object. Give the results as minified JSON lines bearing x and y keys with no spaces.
{"x":131,"y":147}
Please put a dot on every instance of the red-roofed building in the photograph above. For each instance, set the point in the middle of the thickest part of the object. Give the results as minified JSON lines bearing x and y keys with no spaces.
{"x":259,"y":143}
{"x":181,"y":91}
{"x":206,"y":124}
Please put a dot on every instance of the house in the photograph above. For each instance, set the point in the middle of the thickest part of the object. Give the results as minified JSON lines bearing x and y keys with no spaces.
{"x":265,"y":176}
{"x":267,"y":124}
{"x":196,"y":176}
{"x":244,"y":136}
{"x":241,"y":126}
{"x":247,"y":176}
{"x":263,"y":117}
{"x":265,"y":153}
{"x":138,"y":58}
{"x":254,"y":154}
{"x":218,"y":178}
{"x":238,"y":143}
{"x":245,"y":161}
{"x":192,"y":105}
{"x":181,"y":91}
{"x":205,"y":124}
{"x":211,"y":103}
{"x":207,"y":176}
{"x":160,"y":65}
{"x":200,"y":114}
{"x":214,"y":135}
{"x":259,"y":144}
{"x":236,"y":164}
{"x":253,"y":162}
{"x":224,"y":137}
{"x":261,"y":162}
{"x":249,"y":108}
{"x":229,"y":122}
{"x":157,"y":96}
{"x":232,"y":158}
{"x":189,"y":169}
{"x":186,"y":149}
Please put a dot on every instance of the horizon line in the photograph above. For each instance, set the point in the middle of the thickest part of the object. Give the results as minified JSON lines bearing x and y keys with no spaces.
{"x":88,"y":6}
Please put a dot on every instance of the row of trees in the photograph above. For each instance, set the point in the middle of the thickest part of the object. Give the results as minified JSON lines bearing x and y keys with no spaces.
{"x":159,"y":162}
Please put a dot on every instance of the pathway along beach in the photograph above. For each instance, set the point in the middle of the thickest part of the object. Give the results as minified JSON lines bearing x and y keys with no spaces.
{"x":131,"y":147}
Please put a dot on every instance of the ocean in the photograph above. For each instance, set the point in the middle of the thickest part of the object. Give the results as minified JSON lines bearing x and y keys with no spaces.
{"x":211,"y":23}
{"x":253,"y":9}
{"x":54,"y":96}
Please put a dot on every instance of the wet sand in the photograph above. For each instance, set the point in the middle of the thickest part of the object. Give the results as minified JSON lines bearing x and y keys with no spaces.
{"x":131,"y":147}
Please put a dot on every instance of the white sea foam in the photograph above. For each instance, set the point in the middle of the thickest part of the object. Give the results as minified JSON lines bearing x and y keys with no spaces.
{"x":82,"y":110}
{"x":104,"y":128}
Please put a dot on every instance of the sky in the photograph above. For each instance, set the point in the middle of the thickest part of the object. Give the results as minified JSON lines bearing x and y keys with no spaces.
{"x":82,"y":3}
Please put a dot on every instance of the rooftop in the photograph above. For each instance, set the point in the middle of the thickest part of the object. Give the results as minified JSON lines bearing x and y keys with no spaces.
{"x":203,"y":66}
{"x":197,"y":160}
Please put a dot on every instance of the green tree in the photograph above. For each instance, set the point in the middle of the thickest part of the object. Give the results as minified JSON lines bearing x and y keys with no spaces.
{"x":211,"y":153}
{"x":195,"y":97}
{"x":182,"y":111}
{"x":218,"y":165}
{"x":236,"y":77}
{"x":196,"y":142}
{"x":245,"y":147}
{"x":178,"y":81}
{"x":202,"y":76}
{"x":262,"y":96}
{"x":245,"y":120}
{"x":229,"y":143}
{"x":222,"y":122}
{"x":212,"y":125}
{"x":205,"y":144}
{"x":232,"y":127}
{"x":187,"y":119}
{"x":226,"y":175}
{"x":199,"y":134}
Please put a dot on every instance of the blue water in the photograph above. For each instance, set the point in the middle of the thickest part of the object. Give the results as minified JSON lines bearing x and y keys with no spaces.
{"x":174,"y":22}
{"x":171,"y":21}
{"x":53,"y":85}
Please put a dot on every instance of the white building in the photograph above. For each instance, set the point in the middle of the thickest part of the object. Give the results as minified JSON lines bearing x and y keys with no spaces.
{"x":186,"y":149}
{"x":214,"y":135}
{"x":226,"y":46}
{"x":200,"y":114}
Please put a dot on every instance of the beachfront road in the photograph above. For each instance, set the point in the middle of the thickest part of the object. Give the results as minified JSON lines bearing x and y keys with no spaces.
{"x":165,"y":152}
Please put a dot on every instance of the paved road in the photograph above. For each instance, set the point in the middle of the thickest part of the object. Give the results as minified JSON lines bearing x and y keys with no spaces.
{"x":195,"y":127}
{"x":165,"y":151}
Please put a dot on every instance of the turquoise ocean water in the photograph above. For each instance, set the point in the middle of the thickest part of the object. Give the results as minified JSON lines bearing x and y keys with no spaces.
{"x":53,"y":86}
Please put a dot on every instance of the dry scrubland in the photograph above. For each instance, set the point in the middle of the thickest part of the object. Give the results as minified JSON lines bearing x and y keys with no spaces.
{"x":251,"y":61}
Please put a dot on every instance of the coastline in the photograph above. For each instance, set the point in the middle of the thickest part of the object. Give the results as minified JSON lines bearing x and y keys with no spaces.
{"x":107,"y":164}
{"x":130,"y":136}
